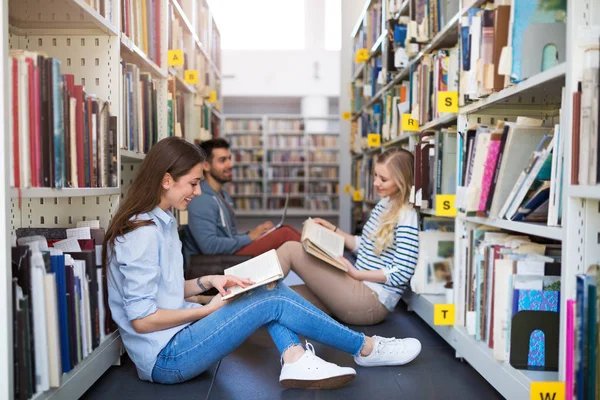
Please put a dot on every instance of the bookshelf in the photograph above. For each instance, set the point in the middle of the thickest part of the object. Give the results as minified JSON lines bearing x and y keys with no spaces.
{"x":544,"y":95}
{"x":95,"y":45}
{"x":278,"y":154}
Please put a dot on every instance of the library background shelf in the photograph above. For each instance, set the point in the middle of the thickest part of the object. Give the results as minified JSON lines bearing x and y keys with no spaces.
{"x":540,"y":96}
{"x":91,"y":44}
{"x":292,"y":153}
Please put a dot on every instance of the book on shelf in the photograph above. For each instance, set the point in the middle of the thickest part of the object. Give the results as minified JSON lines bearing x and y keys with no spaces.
{"x":61,"y":136}
{"x":322,"y":243}
{"x":505,"y":275}
{"x":60,"y":304}
{"x":436,"y":262}
{"x":139,"y":107}
{"x":261,"y":270}
{"x":586,"y":116}
{"x":583,"y":362}
{"x":140,"y":22}
{"x":502,"y":168}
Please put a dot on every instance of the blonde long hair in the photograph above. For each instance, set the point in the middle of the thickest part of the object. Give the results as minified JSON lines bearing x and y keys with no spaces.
{"x":400,"y":163}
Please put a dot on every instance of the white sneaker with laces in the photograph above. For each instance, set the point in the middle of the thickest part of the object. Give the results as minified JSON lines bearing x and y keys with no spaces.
{"x":390,"y":351}
{"x":312,"y":372}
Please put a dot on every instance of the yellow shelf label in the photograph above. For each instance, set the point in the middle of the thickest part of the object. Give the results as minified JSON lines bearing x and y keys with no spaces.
{"x":443,"y":314}
{"x":361,"y":56}
{"x":374,"y":139}
{"x":358,"y":195}
{"x":175,"y":58}
{"x":448,"y":102}
{"x":191,"y":76}
{"x":212,"y":97}
{"x":444,"y":205}
{"x":409,"y":124}
{"x":346,"y":115}
{"x":348,"y":189}
{"x":547,"y":391}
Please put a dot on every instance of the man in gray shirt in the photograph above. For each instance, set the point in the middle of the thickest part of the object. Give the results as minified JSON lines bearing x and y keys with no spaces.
{"x":211,"y":217}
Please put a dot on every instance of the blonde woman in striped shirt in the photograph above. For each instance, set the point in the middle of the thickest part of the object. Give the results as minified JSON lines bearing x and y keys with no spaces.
{"x":387,"y":252}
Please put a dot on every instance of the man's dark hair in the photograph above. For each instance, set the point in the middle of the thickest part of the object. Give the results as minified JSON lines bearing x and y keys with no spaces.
{"x":209,"y":145}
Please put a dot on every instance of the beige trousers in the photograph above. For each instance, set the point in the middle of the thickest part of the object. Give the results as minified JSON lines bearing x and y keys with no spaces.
{"x":331,"y":289}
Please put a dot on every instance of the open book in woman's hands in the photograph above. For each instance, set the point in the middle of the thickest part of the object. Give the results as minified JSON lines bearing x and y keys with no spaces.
{"x":324,"y":244}
{"x":261,"y":270}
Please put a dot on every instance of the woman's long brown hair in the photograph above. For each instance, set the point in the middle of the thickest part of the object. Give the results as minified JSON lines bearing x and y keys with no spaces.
{"x":172,"y":155}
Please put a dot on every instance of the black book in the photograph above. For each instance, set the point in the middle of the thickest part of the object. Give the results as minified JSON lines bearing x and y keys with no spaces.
{"x":71,"y":317}
{"x":45,"y":122}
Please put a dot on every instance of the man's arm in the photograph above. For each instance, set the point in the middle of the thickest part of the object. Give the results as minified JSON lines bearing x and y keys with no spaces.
{"x":203,"y":220}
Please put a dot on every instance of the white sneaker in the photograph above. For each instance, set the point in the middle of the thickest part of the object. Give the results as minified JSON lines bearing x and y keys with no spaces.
{"x":390,"y":351}
{"x":312,"y":372}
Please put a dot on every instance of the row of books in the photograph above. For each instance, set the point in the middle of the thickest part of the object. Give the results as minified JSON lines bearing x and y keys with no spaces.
{"x":430,"y":17}
{"x":506,"y":44}
{"x":307,"y":203}
{"x":140,"y":22}
{"x":323,"y":156}
{"x":139,"y":107}
{"x":327,"y":141}
{"x":585,"y":168}
{"x":510,"y":171}
{"x":510,"y":287}
{"x":247,"y":204}
{"x":248,"y":172}
{"x":60,"y":136}
{"x":286,"y":125}
{"x":246,"y":156}
{"x":435,"y":166}
{"x":59,"y":304}
{"x":252,"y":125}
{"x":104,"y":8}
{"x":437,"y":72}
{"x":582,"y":369}
{"x":285,"y":156}
{"x":282,"y":188}
{"x":370,"y":29}
{"x":244,"y":141}
{"x":245,"y":188}
{"x":324,"y":188}
{"x":283,"y":142}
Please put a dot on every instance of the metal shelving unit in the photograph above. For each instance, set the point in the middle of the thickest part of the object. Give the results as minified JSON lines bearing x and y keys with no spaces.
{"x":64,"y":29}
{"x":539,"y":96}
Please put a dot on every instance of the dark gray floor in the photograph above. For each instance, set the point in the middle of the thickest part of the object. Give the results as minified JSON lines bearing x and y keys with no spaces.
{"x":252,"y":371}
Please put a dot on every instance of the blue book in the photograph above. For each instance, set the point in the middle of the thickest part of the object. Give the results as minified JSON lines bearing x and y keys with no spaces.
{"x":580,"y":336}
{"x":536,"y":300}
{"x":57,"y":263}
{"x":592,"y":355}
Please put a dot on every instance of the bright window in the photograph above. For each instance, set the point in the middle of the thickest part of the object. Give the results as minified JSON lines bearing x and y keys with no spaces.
{"x":260,"y":24}
{"x":333,"y":25}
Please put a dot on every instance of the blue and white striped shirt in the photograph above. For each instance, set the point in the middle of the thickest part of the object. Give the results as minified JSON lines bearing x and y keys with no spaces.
{"x":398,"y":261}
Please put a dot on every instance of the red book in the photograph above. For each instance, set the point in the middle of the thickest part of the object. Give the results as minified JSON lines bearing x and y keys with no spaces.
{"x":32,"y":121}
{"x":36,"y":144}
{"x":79,"y":123}
{"x":91,"y":143}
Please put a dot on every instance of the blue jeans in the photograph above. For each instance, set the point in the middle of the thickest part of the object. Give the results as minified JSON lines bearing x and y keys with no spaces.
{"x":284,"y":313}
